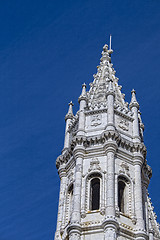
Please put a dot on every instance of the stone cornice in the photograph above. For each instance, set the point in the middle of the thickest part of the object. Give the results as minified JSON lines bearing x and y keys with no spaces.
{"x":110,"y":221}
{"x":74,"y":227}
{"x":95,"y":111}
{"x":86,"y":142}
{"x":128,"y":115}
{"x":134,"y":104}
{"x":78,"y":151}
{"x":64,"y":158}
{"x":118,"y":110}
{"x":62,"y":172}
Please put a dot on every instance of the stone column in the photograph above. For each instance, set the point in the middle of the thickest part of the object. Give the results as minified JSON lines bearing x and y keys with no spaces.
{"x":62,"y":174}
{"x":151,"y":236}
{"x":110,"y":199}
{"x":77,"y":191}
{"x":74,"y":232}
{"x":110,"y":106}
{"x":110,"y":223}
{"x":138,"y":160}
{"x":74,"y":228}
{"x":110,"y":231}
{"x":151,"y":232}
{"x":138,"y":196}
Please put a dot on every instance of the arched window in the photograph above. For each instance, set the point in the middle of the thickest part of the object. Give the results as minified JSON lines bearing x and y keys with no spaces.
{"x":70,"y":201}
{"x":121,"y":196}
{"x":95,"y":194}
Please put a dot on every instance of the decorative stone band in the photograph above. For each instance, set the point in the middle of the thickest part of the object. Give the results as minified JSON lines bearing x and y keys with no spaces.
{"x":126,"y":229}
{"x":138,"y":158}
{"x":110,"y":146}
{"x":74,"y":231}
{"x":69,"y":116}
{"x":134,"y":104}
{"x":112,"y":135}
{"x":110,"y":222}
{"x":78,"y":151}
{"x":62,"y":171}
{"x":110,"y":92}
{"x":82,"y":98}
{"x":141,"y":234}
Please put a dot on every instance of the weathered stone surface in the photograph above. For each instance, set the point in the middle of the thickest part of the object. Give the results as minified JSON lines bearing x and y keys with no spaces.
{"x":104,"y":141}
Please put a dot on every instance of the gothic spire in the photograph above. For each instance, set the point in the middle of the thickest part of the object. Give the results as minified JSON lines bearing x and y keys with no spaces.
{"x":70,"y":111}
{"x":99,"y":86}
{"x":83,"y":94}
{"x":134,"y":102}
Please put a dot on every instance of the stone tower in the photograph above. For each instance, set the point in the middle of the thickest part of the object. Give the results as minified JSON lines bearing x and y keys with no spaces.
{"x":103,"y":169}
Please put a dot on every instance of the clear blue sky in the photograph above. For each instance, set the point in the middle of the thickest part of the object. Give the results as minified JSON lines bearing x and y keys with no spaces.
{"x":47,"y":50}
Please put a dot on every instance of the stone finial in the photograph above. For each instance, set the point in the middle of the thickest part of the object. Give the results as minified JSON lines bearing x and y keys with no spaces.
{"x":83,"y":95}
{"x":69,"y":115}
{"x":83,"y":89}
{"x":133,"y":102}
{"x":110,"y":90}
{"x":110,"y":86}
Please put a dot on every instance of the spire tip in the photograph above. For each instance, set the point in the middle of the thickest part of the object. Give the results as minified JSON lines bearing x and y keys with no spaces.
{"x":110,"y":45}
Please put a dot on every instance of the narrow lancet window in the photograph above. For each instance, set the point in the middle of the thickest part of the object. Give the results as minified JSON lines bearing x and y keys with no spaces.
{"x":95,"y":194}
{"x":70,"y":201}
{"x":121,"y":188}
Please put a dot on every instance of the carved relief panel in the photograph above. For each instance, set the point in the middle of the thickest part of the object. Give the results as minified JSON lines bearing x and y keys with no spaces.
{"x":96,"y":121}
{"x":123,"y":124}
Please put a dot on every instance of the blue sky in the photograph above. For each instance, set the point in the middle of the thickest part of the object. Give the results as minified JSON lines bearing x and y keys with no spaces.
{"x":47,"y":50}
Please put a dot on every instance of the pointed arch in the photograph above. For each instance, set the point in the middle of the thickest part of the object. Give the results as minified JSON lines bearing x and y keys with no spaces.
{"x":93,"y":191}
{"x":124,"y":195}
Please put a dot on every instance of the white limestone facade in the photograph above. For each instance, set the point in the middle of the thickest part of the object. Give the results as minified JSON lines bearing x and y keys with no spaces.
{"x":103,"y":168}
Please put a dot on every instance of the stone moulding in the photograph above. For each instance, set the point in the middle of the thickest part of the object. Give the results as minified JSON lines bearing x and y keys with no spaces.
{"x":101,"y":139}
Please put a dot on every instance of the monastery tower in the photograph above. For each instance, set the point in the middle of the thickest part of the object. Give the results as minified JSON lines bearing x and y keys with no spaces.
{"x":103,"y":169}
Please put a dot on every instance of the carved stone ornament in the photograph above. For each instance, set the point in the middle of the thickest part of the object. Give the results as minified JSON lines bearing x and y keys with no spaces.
{"x":125,"y":168}
{"x":124,"y":124}
{"x":94,"y":165}
{"x":70,"y":178}
{"x":96,"y":120}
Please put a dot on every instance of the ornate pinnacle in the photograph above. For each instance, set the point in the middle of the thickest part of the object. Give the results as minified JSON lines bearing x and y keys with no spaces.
{"x":134,"y":102}
{"x":110,"y":86}
{"x":110,"y":90}
{"x":83,"y":95}
{"x":69,"y":115}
